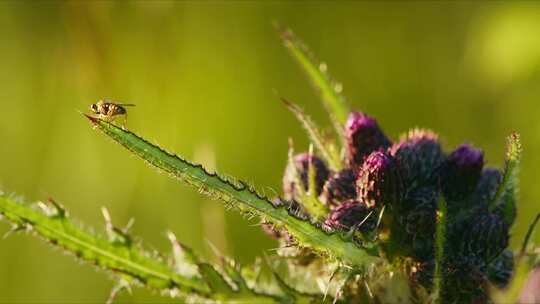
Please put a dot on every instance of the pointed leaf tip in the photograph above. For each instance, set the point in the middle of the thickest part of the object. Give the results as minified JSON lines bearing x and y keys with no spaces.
{"x":214,"y":279}
{"x":91,"y":118}
{"x":329,"y":90}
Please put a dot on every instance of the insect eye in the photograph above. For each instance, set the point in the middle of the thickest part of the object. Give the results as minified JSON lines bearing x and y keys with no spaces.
{"x":93,"y":107}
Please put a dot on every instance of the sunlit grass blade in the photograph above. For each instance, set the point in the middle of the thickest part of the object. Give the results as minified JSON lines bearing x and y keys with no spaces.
{"x":123,"y":259}
{"x":237,"y":194}
{"x":330,"y":91}
{"x":507,"y":194}
{"x":327,"y":149}
{"x":529,"y":234}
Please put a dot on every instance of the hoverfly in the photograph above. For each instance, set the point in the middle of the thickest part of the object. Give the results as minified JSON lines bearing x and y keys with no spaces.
{"x":108,"y":110}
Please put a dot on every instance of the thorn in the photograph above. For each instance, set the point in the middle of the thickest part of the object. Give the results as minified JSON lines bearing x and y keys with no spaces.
{"x":365,"y":219}
{"x":176,"y":247}
{"x":289,"y":104}
{"x":52,"y":208}
{"x":129,"y":225}
{"x":117,"y":288}
{"x":291,"y":147}
{"x":337,"y":295}
{"x":115,"y":234}
{"x":310,"y":151}
{"x":106,"y":215}
{"x":60,"y":210}
{"x":14,"y":229}
{"x":214,"y":249}
{"x":330,"y":281}
{"x":368,"y":289}
{"x":91,"y":118}
{"x":185,"y":262}
{"x":323,"y":67}
{"x":380,"y":216}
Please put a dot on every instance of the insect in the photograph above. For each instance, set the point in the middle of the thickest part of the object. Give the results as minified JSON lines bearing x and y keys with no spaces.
{"x":108,"y":110}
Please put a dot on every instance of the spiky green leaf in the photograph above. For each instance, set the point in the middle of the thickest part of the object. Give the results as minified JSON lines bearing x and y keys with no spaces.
{"x":237,"y":194}
{"x":120,"y":258}
{"x":330,"y":91}
{"x":326,"y":148}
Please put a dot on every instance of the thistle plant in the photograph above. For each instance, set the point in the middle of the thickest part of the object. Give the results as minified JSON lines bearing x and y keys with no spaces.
{"x":362,"y":219}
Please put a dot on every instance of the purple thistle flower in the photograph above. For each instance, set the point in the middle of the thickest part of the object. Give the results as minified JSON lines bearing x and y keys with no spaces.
{"x":340,"y":187}
{"x":488,"y":185}
{"x":379,"y":181}
{"x":352,"y":213}
{"x":301,"y":163}
{"x":418,"y":155}
{"x":363,"y":137}
{"x":485,"y":191}
{"x":461,"y":172}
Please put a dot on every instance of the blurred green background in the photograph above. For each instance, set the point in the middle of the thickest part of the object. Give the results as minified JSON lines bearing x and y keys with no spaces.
{"x":204,"y":77}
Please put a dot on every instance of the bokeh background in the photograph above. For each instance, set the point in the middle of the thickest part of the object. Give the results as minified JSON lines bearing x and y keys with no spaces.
{"x":204,"y":77}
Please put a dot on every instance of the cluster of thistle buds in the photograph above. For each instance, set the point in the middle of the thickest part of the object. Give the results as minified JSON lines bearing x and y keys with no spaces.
{"x":390,"y":193}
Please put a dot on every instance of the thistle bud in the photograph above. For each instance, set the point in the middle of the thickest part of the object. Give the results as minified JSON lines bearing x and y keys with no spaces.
{"x":418,"y":154}
{"x":352,"y":214}
{"x":487,"y":237}
{"x":418,"y":212}
{"x":301,"y":170}
{"x":461,"y":172}
{"x":378,"y":180}
{"x":363,"y":137}
{"x":464,"y":280}
{"x":486,"y":189}
{"x":340,"y":187}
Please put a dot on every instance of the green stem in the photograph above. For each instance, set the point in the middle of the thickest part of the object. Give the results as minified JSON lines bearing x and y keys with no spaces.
{"x":440,"y":239}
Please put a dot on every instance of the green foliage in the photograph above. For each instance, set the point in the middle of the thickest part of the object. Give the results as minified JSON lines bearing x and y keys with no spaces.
{"x":237,"y":194}
{"x":422,"y":249}
{"x":506,"y":197}
{"x":330,"y":91}
{"x":324,"y":146}
{"x":128,"y":259}
{"x":188,"y":277}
